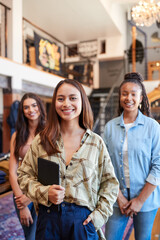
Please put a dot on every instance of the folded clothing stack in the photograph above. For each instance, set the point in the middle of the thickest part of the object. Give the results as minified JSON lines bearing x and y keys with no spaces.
{"x":2,"y":177}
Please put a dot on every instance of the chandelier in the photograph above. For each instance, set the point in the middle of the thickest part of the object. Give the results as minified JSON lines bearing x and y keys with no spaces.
{"x":146,"y":13}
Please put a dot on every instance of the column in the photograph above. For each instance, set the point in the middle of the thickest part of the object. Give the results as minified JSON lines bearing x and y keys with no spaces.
{"x":8,"y":99}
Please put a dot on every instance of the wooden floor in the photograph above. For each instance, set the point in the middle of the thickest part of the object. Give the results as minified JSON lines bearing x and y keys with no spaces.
{"x":155,"y":230}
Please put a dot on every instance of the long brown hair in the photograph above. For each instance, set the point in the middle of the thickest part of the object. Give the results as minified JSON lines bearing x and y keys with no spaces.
{"x":22,"y":130}
{"x":51,"y":133}
{"x":135,"y":77}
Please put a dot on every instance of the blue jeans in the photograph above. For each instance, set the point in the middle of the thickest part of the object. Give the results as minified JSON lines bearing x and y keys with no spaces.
{"x":143,"y":223}
{"x":29,"y":232}
{"x":65,"y":223}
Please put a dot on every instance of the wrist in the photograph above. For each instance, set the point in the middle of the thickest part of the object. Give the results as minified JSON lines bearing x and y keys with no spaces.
{"x":120,"y":196}
{"x":18,"y":196}
{"x":21,"y":208}
{"x":140,"y":199}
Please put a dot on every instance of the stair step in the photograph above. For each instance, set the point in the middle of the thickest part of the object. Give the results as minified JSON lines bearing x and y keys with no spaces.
{"x":97,"y":98}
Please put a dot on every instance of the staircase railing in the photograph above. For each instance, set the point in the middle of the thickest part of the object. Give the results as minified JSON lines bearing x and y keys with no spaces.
{"x":105,"y":103}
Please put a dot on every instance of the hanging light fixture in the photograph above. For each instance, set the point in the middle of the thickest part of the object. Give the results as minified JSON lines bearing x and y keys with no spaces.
{"x":146,"y":13}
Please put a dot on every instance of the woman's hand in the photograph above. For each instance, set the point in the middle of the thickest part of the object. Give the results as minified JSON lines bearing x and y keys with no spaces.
{"x":87,"y":221}
{"x":56,"y":194}
{"x":22,"y":201}
{"x":122,"y":201}
{"x":133,"y":207}
{"x":25,"y":216}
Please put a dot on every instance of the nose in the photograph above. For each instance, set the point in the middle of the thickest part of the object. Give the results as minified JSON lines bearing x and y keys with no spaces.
{"x":129,"y":96}
{"x":66,"y":102}
{"x":30,"y":109}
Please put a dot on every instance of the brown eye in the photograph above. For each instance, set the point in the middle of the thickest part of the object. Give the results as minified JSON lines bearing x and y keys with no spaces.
{"x":60,"y":99}
{"x":73,"y":98}
{"x":34,"y":105}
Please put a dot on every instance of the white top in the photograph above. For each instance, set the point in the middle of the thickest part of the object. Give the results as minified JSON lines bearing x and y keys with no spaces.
{"x":125,"y":155}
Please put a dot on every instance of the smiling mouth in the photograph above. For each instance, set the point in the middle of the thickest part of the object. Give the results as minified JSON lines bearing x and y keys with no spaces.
{"x":32,"y":115}
{"x":67,"y":110}
{"x":129,"y":104}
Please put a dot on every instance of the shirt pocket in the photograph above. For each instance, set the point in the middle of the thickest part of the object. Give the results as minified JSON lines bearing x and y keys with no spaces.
{"x":142,"y":148}
{"x":85,"y":174}
{"x":85,"y":168}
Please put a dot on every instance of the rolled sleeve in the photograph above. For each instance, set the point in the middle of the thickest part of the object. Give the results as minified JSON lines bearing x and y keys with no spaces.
{"x":153,"y":180}
{"x":108,"y":192}
{"x":154,"y":175}
{"x":28,"y":177}
{"x":97,"y":219}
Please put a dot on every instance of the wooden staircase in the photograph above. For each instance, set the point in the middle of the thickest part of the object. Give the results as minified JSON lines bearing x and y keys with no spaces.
{"x":104,"y":108}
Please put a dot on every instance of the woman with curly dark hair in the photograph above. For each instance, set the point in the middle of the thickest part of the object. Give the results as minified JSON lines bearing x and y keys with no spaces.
{"x":31,"y":120}
{"x":133,"y":142}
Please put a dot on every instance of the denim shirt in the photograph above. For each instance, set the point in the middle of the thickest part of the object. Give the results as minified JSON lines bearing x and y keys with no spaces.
{"x":143,"y":156}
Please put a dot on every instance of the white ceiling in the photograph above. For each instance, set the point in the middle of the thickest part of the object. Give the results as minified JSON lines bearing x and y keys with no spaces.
{"x":71,"y":20}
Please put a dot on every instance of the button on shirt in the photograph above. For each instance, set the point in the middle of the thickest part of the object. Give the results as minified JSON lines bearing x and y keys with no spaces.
{"x":89,"y":180}
{"x":143,"y":156}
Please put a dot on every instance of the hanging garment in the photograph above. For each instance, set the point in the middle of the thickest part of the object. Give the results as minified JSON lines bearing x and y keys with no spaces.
{"x":12,"y":118}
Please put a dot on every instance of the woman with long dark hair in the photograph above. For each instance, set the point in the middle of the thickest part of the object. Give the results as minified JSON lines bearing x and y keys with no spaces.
{"x":133,"y":142}
{"x":31,"y":120}
{"x":88,"y":187}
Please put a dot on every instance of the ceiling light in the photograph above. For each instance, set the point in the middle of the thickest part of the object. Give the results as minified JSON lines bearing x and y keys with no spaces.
{"x":146,"y":13}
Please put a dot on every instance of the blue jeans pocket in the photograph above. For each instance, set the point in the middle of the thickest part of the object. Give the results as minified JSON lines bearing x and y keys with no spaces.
{"x":91,"y":231}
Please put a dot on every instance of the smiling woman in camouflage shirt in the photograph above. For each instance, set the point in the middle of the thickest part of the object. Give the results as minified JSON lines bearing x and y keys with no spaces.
{"x":88,"y":186}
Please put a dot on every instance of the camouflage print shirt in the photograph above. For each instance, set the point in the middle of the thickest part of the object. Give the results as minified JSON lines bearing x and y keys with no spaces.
{"x":89,"y":180}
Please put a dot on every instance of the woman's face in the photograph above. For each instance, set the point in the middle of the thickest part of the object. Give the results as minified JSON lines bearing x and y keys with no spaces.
{"x":68,"y":102}
{"x":31,"y":109}
{"x":130,"y":97}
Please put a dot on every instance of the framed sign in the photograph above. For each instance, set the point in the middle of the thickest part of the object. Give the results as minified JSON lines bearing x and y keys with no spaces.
{"x":88,"y":49}
{"x":48,"y":54}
